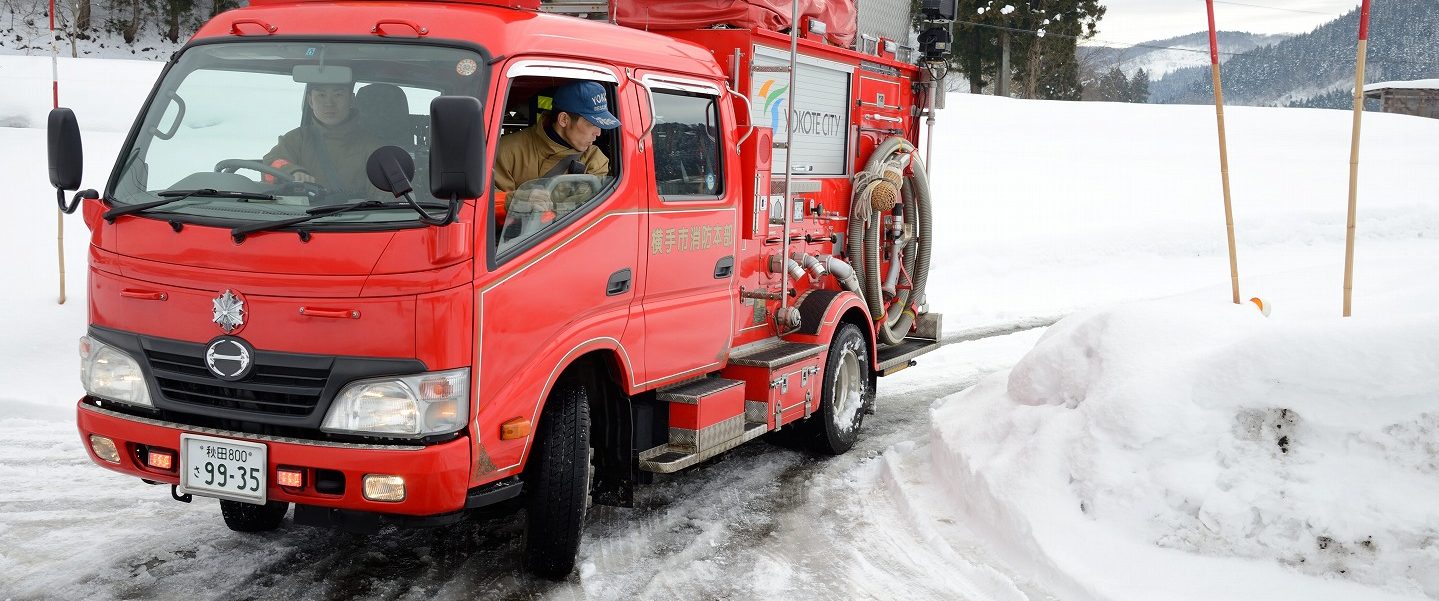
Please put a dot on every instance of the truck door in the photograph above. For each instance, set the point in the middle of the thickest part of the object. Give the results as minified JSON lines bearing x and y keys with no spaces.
{"x":561,"y":246}
{"x":689,"y":243}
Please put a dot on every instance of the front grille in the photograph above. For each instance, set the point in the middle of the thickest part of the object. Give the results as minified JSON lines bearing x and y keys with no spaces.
{"x":269,"y":389}
{"x":285,"y":394}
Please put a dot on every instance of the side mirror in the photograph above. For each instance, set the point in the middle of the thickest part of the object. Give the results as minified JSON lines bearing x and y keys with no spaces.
{"x":390,"y":168}
{"x":67,"y":160}
{"x":457,"y":147}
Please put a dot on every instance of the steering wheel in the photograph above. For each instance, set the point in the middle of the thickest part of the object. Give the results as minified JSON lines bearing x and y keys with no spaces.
{"x":593,"y":181}
{"x":233,"y":165}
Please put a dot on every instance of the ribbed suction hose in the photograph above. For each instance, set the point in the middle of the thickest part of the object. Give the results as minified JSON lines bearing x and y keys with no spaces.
{"x":876,"y":192}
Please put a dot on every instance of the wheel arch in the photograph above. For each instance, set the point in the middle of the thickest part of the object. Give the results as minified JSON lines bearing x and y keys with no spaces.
{"x":823,"y":311}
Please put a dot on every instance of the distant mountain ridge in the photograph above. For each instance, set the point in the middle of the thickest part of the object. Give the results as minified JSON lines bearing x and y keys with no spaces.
{"x":1161,"y":57}
{"x":1317,"y":68}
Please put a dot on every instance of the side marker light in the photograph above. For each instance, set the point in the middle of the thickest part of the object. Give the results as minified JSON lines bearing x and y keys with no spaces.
{"x":515,"y":429}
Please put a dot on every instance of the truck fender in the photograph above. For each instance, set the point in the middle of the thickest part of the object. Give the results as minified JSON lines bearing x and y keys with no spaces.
{"x":509,"y":458}
{"x":822,"y":311}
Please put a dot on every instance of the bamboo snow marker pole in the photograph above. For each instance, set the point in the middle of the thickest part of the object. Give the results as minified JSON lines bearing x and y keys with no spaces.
{"x":1223,"y":152}
{"x":1354,"y":156}
{"x":55,"y":103}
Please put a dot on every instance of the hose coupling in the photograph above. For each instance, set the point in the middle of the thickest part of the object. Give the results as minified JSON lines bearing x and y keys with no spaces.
{"x":779,"y":264}
{"x":808,"y":262}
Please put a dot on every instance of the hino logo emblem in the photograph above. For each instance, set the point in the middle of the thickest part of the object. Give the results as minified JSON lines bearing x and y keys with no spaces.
{"x":229,"y":311}
{"x":229,"y":358}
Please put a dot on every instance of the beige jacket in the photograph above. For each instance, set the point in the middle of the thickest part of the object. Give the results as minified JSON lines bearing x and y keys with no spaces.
{"x":530,"y":153}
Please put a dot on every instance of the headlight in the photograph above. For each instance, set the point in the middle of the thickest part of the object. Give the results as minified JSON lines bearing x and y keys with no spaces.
{"x":420,"y":405}
{"x":109,"y":373}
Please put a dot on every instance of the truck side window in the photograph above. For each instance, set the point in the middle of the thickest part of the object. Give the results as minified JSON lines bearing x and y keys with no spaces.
{"x":687,"y":146}
{"x":544,"y":172}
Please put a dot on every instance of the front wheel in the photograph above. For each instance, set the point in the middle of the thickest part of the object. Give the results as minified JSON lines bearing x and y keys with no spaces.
{"x":248,"y":517}
{"x":848,"y":389}
{"x":557,"y":482}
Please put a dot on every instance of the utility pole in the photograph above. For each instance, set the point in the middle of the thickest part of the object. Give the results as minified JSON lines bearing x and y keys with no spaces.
{"x":1003,"y":80}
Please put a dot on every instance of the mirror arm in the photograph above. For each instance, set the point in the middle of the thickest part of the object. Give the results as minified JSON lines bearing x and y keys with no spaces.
{"x":74,"y":201}
{"x":425,"y":216}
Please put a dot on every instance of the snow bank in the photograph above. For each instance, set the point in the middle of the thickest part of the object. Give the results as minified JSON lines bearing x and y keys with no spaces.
{"x":1182,"y":437}
{"x":104,"y":96}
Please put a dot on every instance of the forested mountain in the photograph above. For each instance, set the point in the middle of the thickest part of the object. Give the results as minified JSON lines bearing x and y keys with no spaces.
{"x":1158,"y":58}
{"x":1317,"y":68}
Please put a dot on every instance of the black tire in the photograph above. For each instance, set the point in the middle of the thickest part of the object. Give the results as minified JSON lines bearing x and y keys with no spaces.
{"x":835,"y":427}
{"x":247,"y":517}
{"x":557,"y":483}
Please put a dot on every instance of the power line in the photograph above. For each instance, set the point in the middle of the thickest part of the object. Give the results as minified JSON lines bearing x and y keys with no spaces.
{"x":1290,"y":10}
{"x":1104,"y":44}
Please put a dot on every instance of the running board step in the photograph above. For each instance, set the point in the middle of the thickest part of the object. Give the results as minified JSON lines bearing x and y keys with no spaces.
{"x":897,"y":357}
{"x":777,"y":356}
{"x":667,"y":459}
{"x":690,"y":393}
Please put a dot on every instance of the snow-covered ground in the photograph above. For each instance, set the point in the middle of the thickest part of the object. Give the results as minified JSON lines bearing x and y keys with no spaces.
{"x":1158,"y":443}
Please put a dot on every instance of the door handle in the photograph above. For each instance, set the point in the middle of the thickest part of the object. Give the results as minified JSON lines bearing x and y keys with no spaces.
{"x":619,"y":283}
{"x":724,"y":267}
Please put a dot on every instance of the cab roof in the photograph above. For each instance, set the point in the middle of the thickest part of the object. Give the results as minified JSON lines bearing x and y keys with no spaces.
{"x":503,"y":27}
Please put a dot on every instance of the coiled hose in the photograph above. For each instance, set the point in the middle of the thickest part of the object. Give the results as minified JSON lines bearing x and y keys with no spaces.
{"x":874,"y":194}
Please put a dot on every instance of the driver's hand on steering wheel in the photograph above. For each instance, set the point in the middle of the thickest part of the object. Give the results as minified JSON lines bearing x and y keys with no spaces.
{"x":301,"y":176}
{"x":531,"y":201}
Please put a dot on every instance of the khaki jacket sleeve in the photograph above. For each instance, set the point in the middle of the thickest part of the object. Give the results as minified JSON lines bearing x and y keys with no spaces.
{"x":596,"y":163}
{"x":287,"y":152}
{"x":506,"y":156}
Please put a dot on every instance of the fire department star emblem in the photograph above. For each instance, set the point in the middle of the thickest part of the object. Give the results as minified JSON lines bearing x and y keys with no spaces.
{"x":229,"y":311}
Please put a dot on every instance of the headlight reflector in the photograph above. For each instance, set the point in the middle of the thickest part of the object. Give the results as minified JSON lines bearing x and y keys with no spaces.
{"x":419,"y":405}
{"x":109,"y":373}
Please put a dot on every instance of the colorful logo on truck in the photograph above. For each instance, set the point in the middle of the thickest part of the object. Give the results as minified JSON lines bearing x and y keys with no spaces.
{"x":773,"y":100}
{"x":814,"y":123}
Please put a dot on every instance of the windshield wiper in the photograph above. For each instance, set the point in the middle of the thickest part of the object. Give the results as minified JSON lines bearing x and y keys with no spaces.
{"x":173,"y":196}
{"x":313,"y":213}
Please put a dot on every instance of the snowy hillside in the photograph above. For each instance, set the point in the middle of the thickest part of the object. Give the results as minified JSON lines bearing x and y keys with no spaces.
{"x":1161,"y":57}
{"x":1157,"y":443}
{"x":1319,"y":64}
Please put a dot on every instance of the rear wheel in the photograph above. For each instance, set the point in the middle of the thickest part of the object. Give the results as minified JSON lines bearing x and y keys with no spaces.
{"x":248,"y":517}
{"x":557,"y":483}
{"x":847,"y":391}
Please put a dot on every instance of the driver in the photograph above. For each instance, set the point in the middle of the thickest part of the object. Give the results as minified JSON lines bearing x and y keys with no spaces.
{"x":562,"y":142}
{"x":330,"y":146}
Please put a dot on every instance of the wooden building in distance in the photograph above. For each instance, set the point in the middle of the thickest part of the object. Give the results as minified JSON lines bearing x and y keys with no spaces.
{"x":1419,"y":97}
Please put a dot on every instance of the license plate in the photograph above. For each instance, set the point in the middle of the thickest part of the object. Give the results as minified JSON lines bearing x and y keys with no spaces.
{"x":222,"y":468}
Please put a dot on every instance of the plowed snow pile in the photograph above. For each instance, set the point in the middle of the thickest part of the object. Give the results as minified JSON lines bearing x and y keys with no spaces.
{"x":1129,"y":439}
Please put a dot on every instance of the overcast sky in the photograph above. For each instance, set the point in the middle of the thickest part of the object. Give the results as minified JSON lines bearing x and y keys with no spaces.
{"x":1134,"y":21}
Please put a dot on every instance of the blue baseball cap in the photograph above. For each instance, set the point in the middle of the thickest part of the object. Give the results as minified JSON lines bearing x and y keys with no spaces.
{"x":587,"y":99}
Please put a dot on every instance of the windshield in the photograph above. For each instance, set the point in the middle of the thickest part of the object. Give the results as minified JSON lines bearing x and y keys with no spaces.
{"x":296,"y":121}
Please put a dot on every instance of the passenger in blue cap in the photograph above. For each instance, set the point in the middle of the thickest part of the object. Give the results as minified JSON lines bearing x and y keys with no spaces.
{"x":562,"y":142}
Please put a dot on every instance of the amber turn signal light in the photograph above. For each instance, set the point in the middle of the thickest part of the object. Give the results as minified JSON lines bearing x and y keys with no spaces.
{"x":515,"y":429}
{"x":160,"y":460}
{"x":290,"y":477}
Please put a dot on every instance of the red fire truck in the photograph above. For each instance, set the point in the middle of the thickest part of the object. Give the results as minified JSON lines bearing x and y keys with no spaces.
{"x":370,"y":330}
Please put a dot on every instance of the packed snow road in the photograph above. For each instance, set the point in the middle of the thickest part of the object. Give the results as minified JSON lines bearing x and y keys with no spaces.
{"x":763,"y":521}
